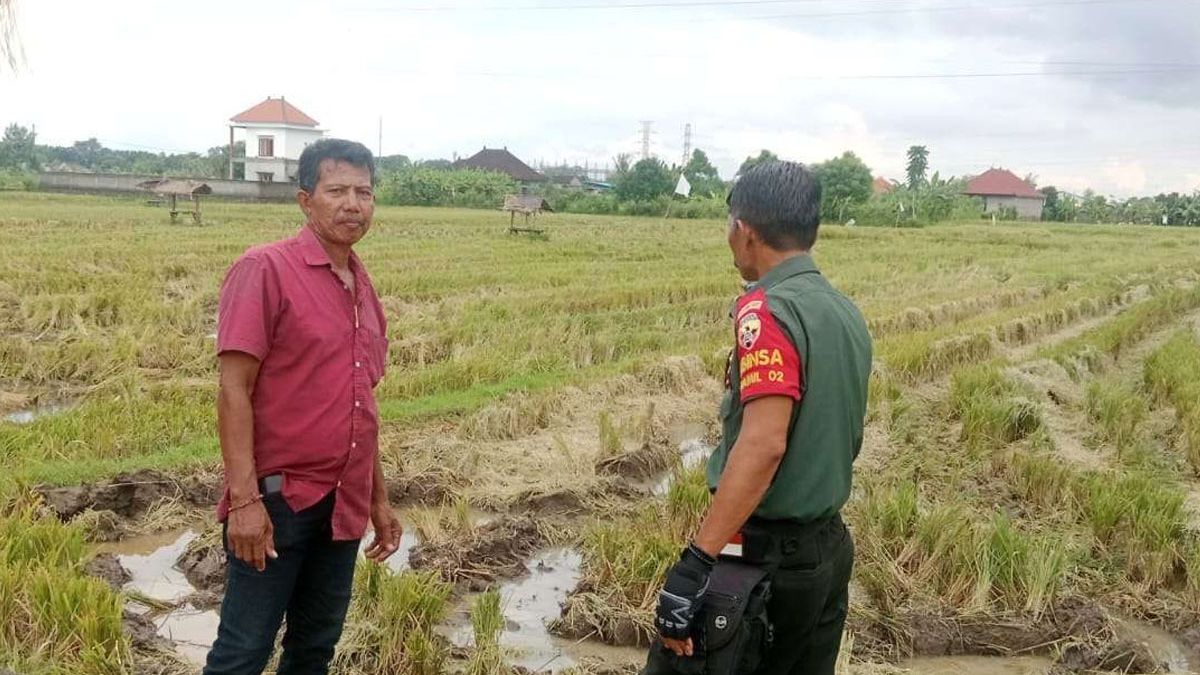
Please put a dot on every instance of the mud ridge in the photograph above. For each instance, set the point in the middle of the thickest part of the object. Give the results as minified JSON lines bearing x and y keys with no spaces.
{"x":491,"y":551}
{"x":131,"y":495}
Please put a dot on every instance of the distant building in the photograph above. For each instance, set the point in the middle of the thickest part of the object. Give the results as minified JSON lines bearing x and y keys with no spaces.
{"x":882,"y":186}
{"x":276,"y":133}
{"x":503,"y":161}
{"x":1000,"y":188}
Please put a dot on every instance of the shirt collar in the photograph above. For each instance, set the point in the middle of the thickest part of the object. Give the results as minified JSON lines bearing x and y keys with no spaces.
{"x":799,"y":264}
{"x":311,"y":248}
{"x":315,"y":255}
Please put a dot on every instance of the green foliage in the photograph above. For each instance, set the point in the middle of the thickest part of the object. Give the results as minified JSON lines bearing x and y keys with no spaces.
{"x":390,"y":626}
{"x":918,"y":165}
{"x":845,"y":181}
{"x":751,"y":162}
{"x":703,"y":176}
{"x":487,"y":620}
{"x":15,"y":179}
{"x":51,"y":612}
{"x":993,"y":410}
{"x":18,"y":151}
{"x":939,"y":201}
{"x":418,"y":186}
{"x":648,"y":179}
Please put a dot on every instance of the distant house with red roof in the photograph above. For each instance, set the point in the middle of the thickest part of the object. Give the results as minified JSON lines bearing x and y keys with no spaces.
{"x":882,"y":186}
{"x":503,"y":161}
{"x":276,"y":132}
{"x":1001,"y":188}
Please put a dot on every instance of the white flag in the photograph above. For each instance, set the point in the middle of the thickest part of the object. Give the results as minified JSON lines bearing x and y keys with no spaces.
{"x":683,"y":187}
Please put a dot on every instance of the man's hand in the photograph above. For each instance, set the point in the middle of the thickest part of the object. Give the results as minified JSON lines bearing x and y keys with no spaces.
{"x":680,"y":598}
{"x":251,"y":535}
{"x":387,"y":532}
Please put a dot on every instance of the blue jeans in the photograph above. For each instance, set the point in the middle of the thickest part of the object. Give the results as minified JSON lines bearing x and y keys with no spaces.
{"x":310,"y":583}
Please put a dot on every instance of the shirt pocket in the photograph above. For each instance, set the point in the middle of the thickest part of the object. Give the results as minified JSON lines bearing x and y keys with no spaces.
{"x":377,"y":350}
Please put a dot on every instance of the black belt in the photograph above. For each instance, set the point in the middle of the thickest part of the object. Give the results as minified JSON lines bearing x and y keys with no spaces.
{"x":766,"y":541}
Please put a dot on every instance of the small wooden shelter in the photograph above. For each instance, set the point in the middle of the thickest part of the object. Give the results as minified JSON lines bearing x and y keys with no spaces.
{"x":527,"y":205}
{"x":171,"y":189}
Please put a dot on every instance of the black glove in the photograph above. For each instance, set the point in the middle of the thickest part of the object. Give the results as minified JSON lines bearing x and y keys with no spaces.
{"x":680,"y":597}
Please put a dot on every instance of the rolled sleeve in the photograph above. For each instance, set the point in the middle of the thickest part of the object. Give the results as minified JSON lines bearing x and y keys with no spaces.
{"x":248,"y":308}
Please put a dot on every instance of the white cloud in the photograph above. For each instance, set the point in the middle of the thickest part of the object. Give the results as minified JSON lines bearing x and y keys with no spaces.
{"x":572,"y":85}
{"x":1127,"y":177}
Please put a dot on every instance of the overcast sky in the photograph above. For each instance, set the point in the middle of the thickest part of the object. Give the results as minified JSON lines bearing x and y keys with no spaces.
{"x":1081,"y":93}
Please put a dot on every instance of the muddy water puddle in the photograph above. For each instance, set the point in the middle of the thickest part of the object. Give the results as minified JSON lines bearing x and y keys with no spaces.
{"x":1165,"y":648}
{"x":150,"y":561}
{"x":529,"y":604}
{"x":693,"y":452}
{"x":30,"y":415}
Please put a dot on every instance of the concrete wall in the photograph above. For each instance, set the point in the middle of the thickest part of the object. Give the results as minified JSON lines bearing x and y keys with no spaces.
{"x":56,"y":181}
{"x":1029,"y":208}
{"x":282,"y":170}
{"x":288,"y":141}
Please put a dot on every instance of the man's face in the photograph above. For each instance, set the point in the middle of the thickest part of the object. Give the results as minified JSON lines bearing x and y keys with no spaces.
{"x":740,"y":244}
{"x":341,"y":204}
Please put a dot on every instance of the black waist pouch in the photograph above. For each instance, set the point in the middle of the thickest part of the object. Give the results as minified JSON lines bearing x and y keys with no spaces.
{"x":731,"y":632}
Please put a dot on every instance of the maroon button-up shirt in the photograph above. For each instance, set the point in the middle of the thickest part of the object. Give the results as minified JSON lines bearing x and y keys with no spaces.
{"x":321,"y":354}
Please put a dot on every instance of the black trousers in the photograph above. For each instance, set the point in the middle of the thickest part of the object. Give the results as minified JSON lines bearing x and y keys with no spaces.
{"x":309,"y":583}
{"x":809,"y":600}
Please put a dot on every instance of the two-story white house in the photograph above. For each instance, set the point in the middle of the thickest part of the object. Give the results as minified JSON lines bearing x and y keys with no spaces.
{"x":276,"y":132}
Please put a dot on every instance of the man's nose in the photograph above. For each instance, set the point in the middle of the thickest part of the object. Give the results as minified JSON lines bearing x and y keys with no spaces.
{"x":352,"y":202}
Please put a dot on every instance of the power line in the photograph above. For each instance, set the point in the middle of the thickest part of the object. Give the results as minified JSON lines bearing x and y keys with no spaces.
{"x":687,"y":4}
{"x":692,"y":4}
{"x":861,"y":76}
{"x":935,"y":9}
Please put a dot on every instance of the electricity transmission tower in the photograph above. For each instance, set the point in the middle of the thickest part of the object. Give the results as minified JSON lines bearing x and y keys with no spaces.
{"x":687,"y":144}
{"x":647,"y":129}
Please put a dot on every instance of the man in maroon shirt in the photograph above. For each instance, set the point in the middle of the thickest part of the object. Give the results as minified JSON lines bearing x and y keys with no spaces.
{"x":301,"y":340}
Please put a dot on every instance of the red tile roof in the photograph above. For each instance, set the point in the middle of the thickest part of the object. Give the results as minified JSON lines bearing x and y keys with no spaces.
{"x":502,"y":161}
{"x":1001,"y":183}
{"x":882,"y":186}
{"x":274,"y":111}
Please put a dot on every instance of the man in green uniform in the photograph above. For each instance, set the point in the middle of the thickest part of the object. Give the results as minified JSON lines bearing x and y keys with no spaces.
{"x":792,"y":424}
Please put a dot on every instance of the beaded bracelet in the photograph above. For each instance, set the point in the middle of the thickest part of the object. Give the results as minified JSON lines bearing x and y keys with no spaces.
{"x":253,"y":500}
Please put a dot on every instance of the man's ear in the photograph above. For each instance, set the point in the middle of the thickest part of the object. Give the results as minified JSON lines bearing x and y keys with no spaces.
{"x":303,"y":199}
{"x":751,"y":235}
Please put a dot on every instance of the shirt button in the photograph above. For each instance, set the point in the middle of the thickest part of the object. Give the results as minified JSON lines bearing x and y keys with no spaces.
{"x":357,"y":404}
{"x":339,"y":483}
{"x":357,"y":364}
{"x":353,"y":444}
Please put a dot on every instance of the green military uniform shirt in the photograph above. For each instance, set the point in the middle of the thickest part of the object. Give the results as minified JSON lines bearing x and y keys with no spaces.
{"x":799,"y":337}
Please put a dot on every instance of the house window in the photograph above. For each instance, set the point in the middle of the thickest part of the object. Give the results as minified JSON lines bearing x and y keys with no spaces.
{"x":266,"y":176}
{"x":266,"y":146}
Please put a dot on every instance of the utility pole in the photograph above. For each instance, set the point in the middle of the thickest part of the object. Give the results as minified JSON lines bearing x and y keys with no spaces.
{"x":647,"y":126}
{"x":687,"y":144}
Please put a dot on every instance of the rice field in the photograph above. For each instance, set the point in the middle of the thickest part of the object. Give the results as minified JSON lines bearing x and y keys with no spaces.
{"x":1030,"y":484}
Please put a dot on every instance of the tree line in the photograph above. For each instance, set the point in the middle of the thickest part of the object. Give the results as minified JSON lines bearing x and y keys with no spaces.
{"x":644,"y":187}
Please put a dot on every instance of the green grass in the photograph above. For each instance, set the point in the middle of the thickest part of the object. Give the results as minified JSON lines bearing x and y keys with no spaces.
{"x":1172,"y":374}
{"x":53,"y":617}
{"x":994,"y":411}
{"x":389,"y":628}
{"x":105,"y":304}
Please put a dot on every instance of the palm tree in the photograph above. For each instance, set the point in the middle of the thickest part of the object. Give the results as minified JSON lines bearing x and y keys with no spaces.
{"x":918,"y":164}
{"x":10,"y":47}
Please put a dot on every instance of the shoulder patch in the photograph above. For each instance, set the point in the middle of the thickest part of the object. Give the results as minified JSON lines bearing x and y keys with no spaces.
{"x":749,"y":328}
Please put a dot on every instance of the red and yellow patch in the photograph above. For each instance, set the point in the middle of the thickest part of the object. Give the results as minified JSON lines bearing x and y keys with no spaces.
{"x":767,"y":359}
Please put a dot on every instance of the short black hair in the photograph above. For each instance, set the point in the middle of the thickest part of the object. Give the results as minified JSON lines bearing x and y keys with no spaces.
{"x":337,"y":149}
{"x":781,"y":201}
